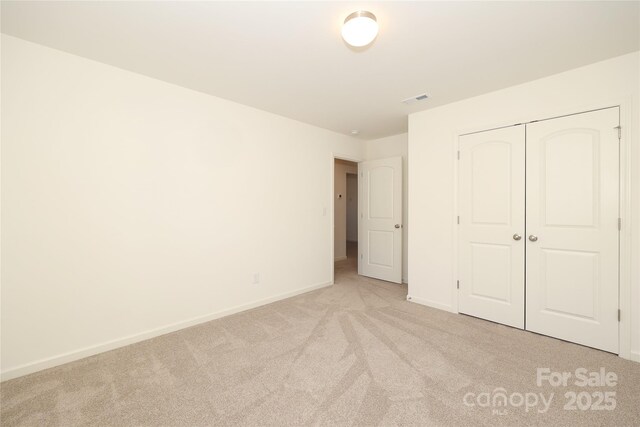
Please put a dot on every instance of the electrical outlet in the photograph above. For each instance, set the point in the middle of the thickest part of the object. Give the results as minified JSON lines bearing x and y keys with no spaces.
{"x":256,"y":278}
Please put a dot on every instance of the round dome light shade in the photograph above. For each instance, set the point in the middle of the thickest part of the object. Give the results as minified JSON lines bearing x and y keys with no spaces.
{"x":360,"y":28}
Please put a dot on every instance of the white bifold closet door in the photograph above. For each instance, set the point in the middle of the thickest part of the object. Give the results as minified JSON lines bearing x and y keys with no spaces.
{"x":568,"y":241}
{"x":491,"y":225}
{"x":572,"y":228}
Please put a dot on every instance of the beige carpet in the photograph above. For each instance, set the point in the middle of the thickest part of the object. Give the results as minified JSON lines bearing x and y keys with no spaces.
{"x":355,"y":353}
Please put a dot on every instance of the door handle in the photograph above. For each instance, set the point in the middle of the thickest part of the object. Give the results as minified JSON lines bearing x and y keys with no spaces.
{"x":397,"y":226}
{"x":533,"y":238}
{"x":517,"y":236}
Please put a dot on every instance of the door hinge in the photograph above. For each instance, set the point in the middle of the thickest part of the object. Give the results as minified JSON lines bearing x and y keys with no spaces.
{"x":458,"y":220}
{"x":619,"y":315}
{"x":457,"y":284}
{"x":619,"y":131}
{"x":458,"y":154}
{"x":619,"y":224}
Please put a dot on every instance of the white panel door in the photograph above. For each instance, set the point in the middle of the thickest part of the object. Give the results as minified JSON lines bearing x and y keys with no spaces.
{"x":572,"y":228}
{"x":380,"y":237}
{"x":491,"y":230}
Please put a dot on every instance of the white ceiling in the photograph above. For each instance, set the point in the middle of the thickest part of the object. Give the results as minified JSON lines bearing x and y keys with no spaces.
{"x":288,"y":57}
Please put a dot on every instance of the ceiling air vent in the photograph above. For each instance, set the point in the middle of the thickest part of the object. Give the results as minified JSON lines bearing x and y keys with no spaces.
{"x":415,"y":99}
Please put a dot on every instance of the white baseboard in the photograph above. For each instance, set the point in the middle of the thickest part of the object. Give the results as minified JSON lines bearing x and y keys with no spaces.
{"x":340,"y":258}
{"x":635,"y":356}
{"x":430,"y":303}
{"x":39,"y":365}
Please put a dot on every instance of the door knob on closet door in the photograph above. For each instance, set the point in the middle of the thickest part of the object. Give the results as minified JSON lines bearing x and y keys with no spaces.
{"x":533,"y":238}
{"x":517,"y":236}
{"x":397,"y":226}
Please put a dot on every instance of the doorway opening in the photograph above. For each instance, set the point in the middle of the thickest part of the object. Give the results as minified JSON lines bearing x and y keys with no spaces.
{"x":345,"y":211}
{"x":352,"y":216}
{"x":375,"y":211}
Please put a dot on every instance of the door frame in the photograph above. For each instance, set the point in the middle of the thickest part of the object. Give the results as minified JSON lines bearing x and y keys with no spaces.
{"x":331,"y":209}
{"x":624,"y":203}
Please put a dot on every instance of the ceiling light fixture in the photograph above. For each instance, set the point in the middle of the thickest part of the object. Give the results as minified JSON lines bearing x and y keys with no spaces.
{"x":360,"y":28}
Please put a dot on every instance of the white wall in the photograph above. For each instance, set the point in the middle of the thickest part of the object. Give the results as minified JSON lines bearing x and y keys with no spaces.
{"x":432,"y":141}
{"x":352,"y":207}
{"x":132,"y":207}
{"x":341,"y":169}
{"x":394,"y":146}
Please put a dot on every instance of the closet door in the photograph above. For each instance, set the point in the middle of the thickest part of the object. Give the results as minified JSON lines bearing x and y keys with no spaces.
{"x":491,"y":225}
{"x":572,"y":228}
